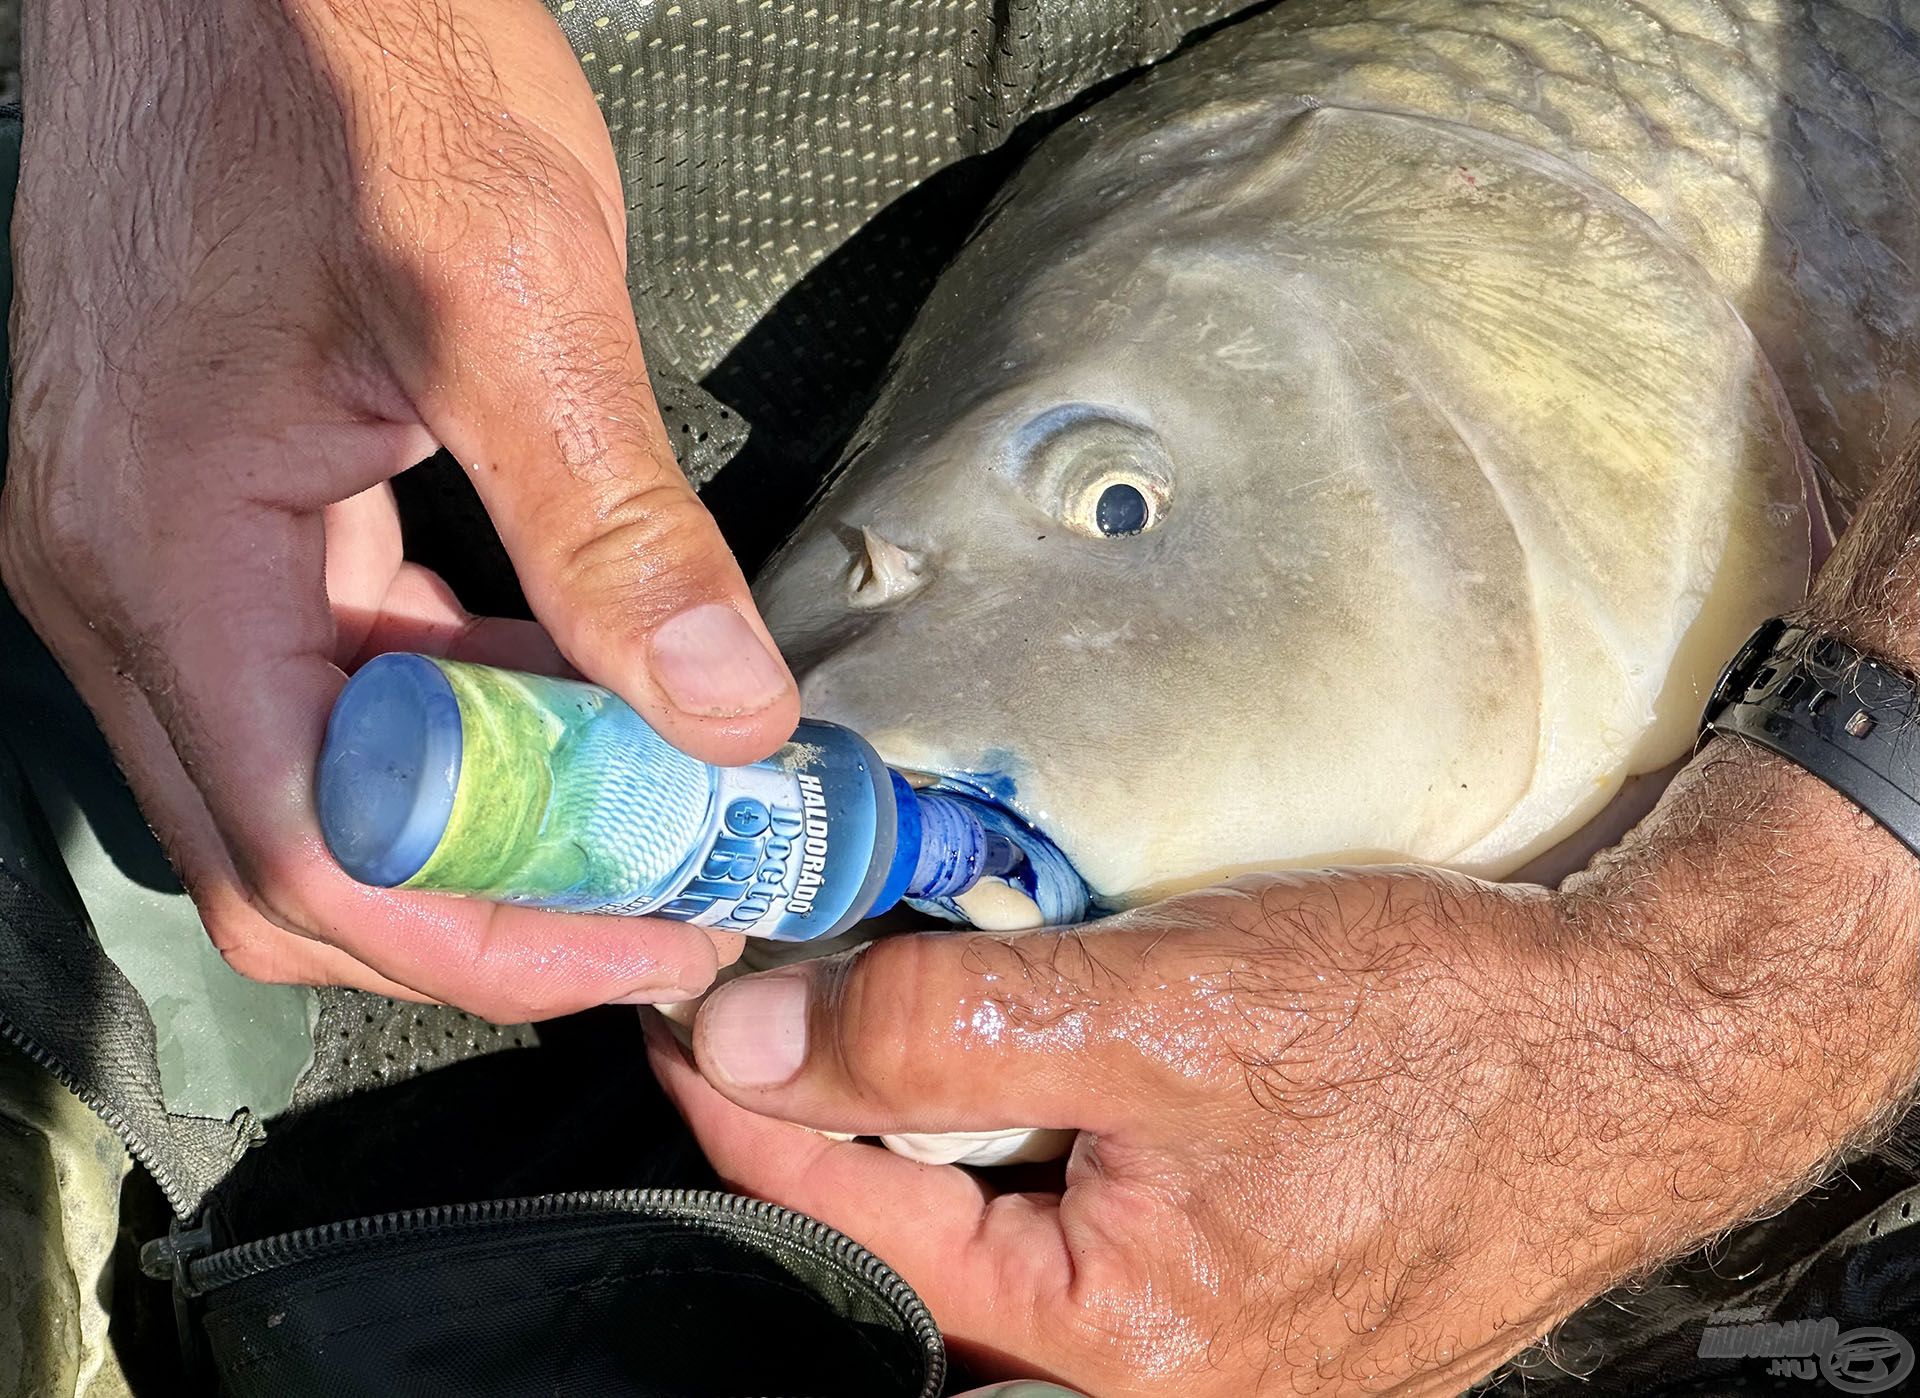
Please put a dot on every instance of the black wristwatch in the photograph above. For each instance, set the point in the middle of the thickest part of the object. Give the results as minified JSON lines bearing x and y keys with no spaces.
{"x":1820,"y":703}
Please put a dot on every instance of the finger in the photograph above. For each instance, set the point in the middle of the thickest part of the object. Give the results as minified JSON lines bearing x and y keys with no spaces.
{"x":234,"y":666}
{"x":315,"y":926}
{"x":382,"y":603}
{"x":986,"y":1263}
{"x":173,"y":807}
{"x":420,"y":613}
{"x":957,"y":1032}
{"x":543,"y":395}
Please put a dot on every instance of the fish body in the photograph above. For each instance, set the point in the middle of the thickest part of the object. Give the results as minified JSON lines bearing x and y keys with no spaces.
{"x":1364,"y":438}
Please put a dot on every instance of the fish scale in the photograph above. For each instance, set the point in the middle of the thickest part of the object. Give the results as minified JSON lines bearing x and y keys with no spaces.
{"x":1769,"y":139}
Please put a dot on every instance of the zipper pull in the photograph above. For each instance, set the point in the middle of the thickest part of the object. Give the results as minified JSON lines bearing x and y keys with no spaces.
{"x":166,"y":1259}
{"x":170,"y":1259}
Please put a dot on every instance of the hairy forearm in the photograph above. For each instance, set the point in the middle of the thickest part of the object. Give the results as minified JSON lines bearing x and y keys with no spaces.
{"x":1869,"y":590}
{"x":1830,"y":900}
{"x":150,"y":126}
{"x":1779,"y":925}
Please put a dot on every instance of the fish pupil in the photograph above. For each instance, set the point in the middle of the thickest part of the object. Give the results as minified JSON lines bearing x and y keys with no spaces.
{"x":1121,"y":509}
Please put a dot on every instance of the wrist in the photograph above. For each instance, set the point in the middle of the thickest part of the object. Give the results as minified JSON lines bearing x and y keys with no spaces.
{"x":1799,"y":898}
{"x":1735,"y":1010}
{"x":1777,"y":929}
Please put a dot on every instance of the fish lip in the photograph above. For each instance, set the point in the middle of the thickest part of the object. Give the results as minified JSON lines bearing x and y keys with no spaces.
{"x":1069,"y":899}
{"x":970,"y":786}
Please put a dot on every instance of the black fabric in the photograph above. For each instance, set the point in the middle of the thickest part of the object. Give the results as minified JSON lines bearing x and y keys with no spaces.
{"x":64,"y":1001}
{"x":601,"y":1305}
{"x":575,"y":1109}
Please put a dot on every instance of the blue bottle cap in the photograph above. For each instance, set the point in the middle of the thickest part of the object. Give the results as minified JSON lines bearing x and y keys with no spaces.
{"x":952,"y":847}
{"x":389,"y":769}
{"x":906,"y":845}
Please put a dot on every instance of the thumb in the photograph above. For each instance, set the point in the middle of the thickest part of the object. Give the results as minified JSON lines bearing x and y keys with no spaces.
{"x":911,"y":1034}
{"x":543,"y":395}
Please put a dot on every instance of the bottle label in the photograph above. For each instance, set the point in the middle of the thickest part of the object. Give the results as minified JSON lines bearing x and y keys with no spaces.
{"x":789,"y":848}
{"x":568,"y":800}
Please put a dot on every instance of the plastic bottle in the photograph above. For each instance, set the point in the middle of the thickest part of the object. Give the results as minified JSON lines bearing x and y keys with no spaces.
{"x":521,"y":788}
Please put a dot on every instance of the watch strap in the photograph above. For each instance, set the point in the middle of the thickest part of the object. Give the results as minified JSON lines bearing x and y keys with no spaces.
{"x":1823,"y":705}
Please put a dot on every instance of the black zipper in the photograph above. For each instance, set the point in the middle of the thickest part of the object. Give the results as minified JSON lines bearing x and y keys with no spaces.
{"x":199,"y":1274}
{"x":184,"y":1259}
{"x":176,"y":1195}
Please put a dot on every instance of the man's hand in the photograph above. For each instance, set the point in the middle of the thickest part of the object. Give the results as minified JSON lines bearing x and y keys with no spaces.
{"x":1347,"y":1133}
{"x":267,"y":257}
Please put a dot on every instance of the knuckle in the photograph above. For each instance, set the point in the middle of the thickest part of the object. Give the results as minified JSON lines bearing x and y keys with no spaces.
{"x":581,"y":362}
{"x":651,"y":550}
{"x":889,"y":1005}
{"x":287,"y":889}
{"x":50,"y":539}
{"x":524,"y":244}
{"x":235,"y":936}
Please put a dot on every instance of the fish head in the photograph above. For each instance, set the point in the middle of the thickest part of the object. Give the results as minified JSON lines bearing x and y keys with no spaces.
{"x":1171,"y":534}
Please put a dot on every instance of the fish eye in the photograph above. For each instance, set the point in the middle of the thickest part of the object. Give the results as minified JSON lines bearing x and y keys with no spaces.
{"x":1114,"y":495}
{"x":1095,"y":471}
{"x":1121,"y":509}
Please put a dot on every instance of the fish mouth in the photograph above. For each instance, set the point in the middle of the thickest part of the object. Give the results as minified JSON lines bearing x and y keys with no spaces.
{"x":1043,"y":872}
